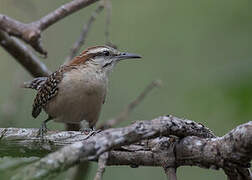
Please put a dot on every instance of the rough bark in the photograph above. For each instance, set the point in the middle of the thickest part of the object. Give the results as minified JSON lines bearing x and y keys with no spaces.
{"x":144,"y":143}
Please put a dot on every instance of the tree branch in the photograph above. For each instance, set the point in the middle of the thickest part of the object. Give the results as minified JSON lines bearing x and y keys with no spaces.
{"x":102,"y":161}
{"x":31,"y":33}
{"x":23,"y":55}
{"x":14,"y":139}
{"x":232,"y":151}
{"x":102,"y":142}
{"x":198,"y":146}
{"x":63,"y":11}
{"x":143,"y":143}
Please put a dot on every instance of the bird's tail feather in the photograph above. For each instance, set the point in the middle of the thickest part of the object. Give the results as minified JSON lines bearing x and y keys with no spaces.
{"x":35,"y":83}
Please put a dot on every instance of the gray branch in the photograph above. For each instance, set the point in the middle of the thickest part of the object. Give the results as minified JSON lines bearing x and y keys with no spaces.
{"x":23,"y":55}
{"x":144,"y":143}
{"x":102,"y":162}
{"x":31,"y":33}
{"x":26,"y":139}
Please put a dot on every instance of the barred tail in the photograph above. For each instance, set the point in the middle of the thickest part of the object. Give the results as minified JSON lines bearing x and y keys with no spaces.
{"x":35,"y":83}
{"x":36,"y":111}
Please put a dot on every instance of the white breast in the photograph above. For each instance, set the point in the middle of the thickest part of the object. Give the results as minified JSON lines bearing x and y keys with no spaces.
{"x":80,"y":96}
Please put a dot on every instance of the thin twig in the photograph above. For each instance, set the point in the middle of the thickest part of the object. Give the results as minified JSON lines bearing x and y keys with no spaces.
{"x":23,"y":55}
{"x":102,"y":161}
{"x":108,"y":6}
{"x":63,"y":11}
{"x":86,"y":27}
{"x":131,"y":106}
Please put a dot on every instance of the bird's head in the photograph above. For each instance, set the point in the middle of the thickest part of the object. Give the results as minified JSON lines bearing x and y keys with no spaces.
{"x":102,"y":57}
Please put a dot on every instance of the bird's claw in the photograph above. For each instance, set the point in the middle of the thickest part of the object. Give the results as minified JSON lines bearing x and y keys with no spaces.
{"x":42,"y":131}
{"x":90,"y":132}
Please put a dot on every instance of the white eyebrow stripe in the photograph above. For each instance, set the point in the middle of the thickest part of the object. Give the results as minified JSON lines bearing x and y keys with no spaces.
{"x":96,"y":50}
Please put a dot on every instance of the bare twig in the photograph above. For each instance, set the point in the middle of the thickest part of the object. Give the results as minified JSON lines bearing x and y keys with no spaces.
{"x":23,"y":55}
{"x":62,"y":12}
{"x":130,"y":107}
{"x":31,"y":33}
{"x":108,"y":6}
{"x":77,"y":45}
{"x":102,"y":161}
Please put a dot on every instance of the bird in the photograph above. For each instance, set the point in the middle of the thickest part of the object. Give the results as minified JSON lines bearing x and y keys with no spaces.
{"x":76,"y":91}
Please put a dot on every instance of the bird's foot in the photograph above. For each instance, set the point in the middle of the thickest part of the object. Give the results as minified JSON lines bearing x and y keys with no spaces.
{"x":86,"y":131}
{"x":42,"y":131}
{"x":90,"y":131}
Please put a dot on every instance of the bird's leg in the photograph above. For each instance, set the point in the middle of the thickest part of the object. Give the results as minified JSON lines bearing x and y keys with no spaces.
{"x":94,"y":131}
{"x":43,"y":128}
{"x":90,"y":131}
{"x":87,"y":129}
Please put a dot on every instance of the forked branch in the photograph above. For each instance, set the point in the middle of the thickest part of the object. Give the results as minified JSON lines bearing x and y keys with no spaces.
{"x":31,"y":33}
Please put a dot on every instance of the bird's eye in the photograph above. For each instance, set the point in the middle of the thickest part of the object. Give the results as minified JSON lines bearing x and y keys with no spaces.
{"x":106,"y":53}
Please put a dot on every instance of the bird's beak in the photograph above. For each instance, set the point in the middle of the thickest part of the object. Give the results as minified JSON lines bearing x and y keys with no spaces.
{"x":125,"y":55}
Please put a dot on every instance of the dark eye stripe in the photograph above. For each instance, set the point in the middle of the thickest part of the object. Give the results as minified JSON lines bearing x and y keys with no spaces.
{"x":107,"y":64}
{"x":104,"y":53}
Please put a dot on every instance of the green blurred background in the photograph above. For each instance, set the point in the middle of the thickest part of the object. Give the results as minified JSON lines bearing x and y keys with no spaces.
{"x":199,"y":49}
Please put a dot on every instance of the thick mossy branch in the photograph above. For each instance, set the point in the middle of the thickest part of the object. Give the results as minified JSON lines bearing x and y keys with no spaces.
{"x":144,"y":143}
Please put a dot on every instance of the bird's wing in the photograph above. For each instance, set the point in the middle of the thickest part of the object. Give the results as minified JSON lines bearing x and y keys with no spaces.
{"x":48,"y":90}
{"x":36,"y":83}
